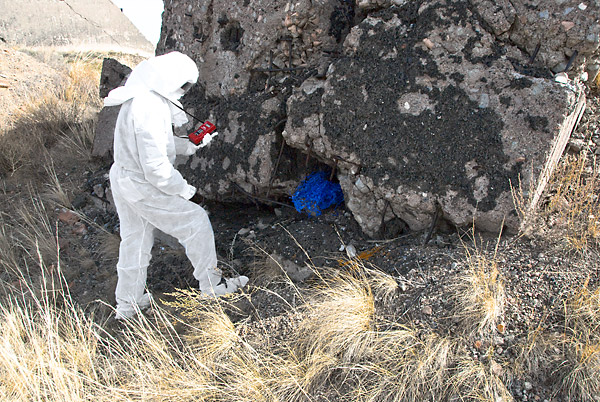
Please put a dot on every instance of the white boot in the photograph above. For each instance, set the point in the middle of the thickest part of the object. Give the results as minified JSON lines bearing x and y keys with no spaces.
{"x":225,"y":286}
{"x":127,"y":310}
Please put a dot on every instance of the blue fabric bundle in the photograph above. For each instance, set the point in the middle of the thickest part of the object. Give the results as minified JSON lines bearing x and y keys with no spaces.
{"x":316,"y":193}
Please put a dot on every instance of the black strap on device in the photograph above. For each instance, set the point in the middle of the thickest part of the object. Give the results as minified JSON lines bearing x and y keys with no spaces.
{"x":184,"y":111}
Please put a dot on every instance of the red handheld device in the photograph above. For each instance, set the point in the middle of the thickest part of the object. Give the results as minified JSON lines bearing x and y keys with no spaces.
{"x":206,"y":128}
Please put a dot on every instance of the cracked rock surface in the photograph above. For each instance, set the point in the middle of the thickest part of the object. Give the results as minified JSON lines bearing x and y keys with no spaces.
{"x":421,"y":108}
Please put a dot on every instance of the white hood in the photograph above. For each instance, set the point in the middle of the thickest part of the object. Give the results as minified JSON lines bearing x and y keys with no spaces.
{"x":164,"y":75}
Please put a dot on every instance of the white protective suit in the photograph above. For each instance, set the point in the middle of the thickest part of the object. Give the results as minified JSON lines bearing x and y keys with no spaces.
{"x":148,"y":191}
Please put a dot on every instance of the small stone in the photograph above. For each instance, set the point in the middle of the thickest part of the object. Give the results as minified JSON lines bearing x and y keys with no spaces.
{"x":68,"y":217}
{"x":567,"y":25}
{"x":427,"y":42}
{"x":562,"y":78}
{"x":79,"y":228}
{"x":544,"y":14}
{"x":582,"y":6}
{"x":99,"y":190}
{"x":243,"y":231}
{"x":528,"y":386}
{"x":496,"y":368}
{"x":427,"y":310}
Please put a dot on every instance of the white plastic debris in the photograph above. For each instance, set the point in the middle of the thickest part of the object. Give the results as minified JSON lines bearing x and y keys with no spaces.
{"x":562,"y":78}
{"x":350,"y":251}
{"x":582,"y":6}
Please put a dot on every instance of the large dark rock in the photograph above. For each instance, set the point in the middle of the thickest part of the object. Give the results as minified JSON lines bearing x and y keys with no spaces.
{"x":425,"y":106}
{"x":114,"y":74}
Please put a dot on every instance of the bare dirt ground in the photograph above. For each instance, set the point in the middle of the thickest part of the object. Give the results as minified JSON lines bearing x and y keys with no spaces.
{"x":538,"y":273}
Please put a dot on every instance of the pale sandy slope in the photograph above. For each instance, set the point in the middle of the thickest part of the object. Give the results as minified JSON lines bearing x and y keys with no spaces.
{"x":71,"y":24}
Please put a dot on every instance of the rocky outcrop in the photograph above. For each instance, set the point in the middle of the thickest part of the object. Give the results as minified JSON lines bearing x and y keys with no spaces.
{"x":560,"y":35}
{"x":113,"y":74}
{"x":431,"y":113}
{"x":421,"y":107}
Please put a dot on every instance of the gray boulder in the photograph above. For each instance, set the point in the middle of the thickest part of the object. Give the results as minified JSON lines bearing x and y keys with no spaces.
{"x":420,"y":107}
{"x":426,"y":108}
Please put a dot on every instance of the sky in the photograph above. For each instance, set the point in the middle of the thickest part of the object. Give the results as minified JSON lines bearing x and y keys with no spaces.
{"x":146,"y":15}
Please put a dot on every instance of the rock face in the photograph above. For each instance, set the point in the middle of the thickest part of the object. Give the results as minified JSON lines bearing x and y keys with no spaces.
{"x":419,"y":106}
{"x":429,"y":112}
{"x":113,"y":74}
{"x":557,"y":34}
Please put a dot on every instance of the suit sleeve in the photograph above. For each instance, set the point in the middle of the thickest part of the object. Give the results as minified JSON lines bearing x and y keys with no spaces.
{"x":151,"y":120}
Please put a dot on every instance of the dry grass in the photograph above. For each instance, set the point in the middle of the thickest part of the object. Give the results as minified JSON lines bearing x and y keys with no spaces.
{"x":569,"y":354}
{"x":478,"y":295}
{"x":343,"y":346}
{"x":62,"y":115}
{"x":476,"y":381}
{"x":406,"y":365}
{"x":36,"y":230}
{"x":339,"y":319}
{"x":569,"y":215}
{"x":573,"y":209}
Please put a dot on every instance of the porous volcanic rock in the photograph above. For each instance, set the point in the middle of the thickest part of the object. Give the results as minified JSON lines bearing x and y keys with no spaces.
{"x":234,"y":44}
{"x":426,"y":109}
{"x":550,"y":32}
{"x":421,"y":107}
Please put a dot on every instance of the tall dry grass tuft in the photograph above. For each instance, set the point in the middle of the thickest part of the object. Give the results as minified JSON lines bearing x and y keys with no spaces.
{"x":570,"y":214}
{"x":474,"y":380}
{"x":55,"y":192}
{"x":339,"y":319}
{"x":574,"y":206}
{"x":478,"y":295}
{"x":406,"y":365}
{"x":51,"y":350}
{"x":36,"y":231}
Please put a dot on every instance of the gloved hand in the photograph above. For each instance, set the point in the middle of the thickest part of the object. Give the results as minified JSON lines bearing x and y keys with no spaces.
{"x":226,"y":286}
{"x":207,"y":139}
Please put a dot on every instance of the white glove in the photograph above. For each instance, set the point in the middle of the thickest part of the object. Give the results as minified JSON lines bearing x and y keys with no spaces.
{"x":206,"y":140}
{"x":229,"y":286}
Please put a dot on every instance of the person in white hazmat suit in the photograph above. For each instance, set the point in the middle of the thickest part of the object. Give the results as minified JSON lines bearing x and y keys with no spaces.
{"x":148,"y":191}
